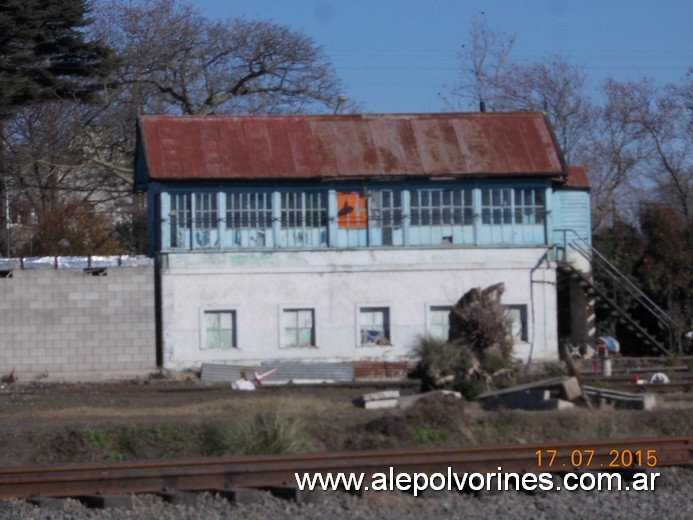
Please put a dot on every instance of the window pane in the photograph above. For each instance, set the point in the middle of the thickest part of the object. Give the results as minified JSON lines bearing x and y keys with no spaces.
{"x":299,"y":328}
{"x":205,"y":210}
{"x":439,"y":321}
{"x":248,"y":210}
{"x":374,"y":326}
{"x":219,"y":329}
{"x":517,"y":318}
{"x":304,"y":209}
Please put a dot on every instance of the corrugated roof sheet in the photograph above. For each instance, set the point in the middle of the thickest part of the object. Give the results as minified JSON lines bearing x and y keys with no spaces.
{"x":576,"y":177}
{"x":348,"y":146}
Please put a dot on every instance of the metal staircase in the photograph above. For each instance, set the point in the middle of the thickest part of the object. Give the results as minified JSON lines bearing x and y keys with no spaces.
{"x":617,"y":294}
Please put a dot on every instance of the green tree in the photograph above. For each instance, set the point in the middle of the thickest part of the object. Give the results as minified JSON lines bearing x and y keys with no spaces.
{"x":44,"y":54}
{"x":665,"y":269}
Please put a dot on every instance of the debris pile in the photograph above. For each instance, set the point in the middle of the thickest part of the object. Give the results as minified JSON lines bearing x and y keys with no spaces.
{"x":561,"y":394}
{"x":393,"y":399}
{"x":477,"y":351}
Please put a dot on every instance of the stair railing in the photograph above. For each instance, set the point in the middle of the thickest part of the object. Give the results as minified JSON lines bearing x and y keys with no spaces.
{"x":572,"y":240}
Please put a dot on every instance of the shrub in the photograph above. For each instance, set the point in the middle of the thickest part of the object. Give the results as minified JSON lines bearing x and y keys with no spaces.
{"x":267,"y":432}
{"x":436,"y":356}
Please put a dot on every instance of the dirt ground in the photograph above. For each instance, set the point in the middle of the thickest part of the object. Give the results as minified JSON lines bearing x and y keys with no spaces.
{"x":50,"y":424}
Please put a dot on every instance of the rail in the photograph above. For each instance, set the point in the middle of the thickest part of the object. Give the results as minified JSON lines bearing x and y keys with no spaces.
{"x":76,"y":480}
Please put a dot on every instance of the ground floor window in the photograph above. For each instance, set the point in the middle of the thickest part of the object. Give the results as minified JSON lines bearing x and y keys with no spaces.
{"x":517,"y":316}
{"x":374,"y":325}
{"x":439,"y":321}
{"x":298,"y":328}
{"x":219,"y":329}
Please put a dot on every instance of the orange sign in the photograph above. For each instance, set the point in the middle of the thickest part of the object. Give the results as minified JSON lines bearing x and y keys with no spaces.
{"x":351,"y":210}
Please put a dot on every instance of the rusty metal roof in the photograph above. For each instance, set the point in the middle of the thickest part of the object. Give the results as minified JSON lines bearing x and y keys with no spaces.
{"x":576,"y":177}
{"x":348,"y":146}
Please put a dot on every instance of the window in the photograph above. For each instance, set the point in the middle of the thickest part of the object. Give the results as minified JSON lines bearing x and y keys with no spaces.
{"x":197,"y":210}
{"x":298,"y":328}
{"x":441,"y":207}
{"x":529,"y":206}
{"x":386,"y":214}
{"x":507,"y":206}
{"x":439,"y":321}
{"x":180,"y":216}
{"x":205,"y":210}
{"x":496,"y":206}
{"x":248,"y":210}
{"x":301,"y":209}
{"x":249,"y":219}
{"x":219,"y":329}
{"x":517,"y":316}
{"x":374,"y":325}
{"x":303,"y":219}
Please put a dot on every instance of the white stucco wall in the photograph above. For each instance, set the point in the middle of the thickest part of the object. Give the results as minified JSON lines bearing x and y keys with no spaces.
{"x":258,"y":285}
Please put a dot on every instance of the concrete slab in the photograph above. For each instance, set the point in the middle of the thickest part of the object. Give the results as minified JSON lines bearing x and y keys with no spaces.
{"x":379,"y":396}
{"x":546,"y":384}
{"x":622,"y":400}
{"x":571,"y":389}
{"x":383,"y":403}
{"x":530,"y":399}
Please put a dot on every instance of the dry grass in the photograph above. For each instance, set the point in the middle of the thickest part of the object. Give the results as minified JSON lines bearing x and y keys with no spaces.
{"x":49,"y":427}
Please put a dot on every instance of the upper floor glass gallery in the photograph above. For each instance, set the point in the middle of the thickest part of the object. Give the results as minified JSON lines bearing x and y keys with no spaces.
{"x":367,"y":215}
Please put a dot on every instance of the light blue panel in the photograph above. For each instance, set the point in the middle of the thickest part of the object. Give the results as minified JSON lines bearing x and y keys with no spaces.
{"x":332,"y":218}
{"x":276,"y":217}
{"x":221,"y":221}
{"x":165,"y":209}
{"x":548,"y":219}
{"x":572,"y":212}
{"x":406,"y":211}
{"x":476,"y":202}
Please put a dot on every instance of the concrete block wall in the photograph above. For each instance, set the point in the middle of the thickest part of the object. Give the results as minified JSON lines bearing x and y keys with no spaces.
{"x":65,"y":324}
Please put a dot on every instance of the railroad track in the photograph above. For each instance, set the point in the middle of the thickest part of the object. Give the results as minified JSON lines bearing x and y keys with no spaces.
{"x":78,"y":480}
{"x":678,"y":383}
{"x":172,"y":388}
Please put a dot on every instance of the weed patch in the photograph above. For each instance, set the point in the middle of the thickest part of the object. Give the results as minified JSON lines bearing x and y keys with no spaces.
{"x":267,"y":432}
{"x":423,"y":435}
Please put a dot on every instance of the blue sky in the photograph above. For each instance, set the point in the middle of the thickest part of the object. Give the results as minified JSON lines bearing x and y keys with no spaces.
{"x":398,"y":55}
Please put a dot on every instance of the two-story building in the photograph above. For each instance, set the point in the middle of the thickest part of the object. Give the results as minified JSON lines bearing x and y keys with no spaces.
{"x":345,"y":237}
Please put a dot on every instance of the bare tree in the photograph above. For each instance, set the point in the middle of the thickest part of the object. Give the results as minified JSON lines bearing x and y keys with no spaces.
{"x":484,"y":63}
{"x":556,"y":87}
{"x":182,"y":62}
{"x":54,"y":174}
{"x":666,"y":124}
{"x":69,"y":160}
{"x":639,"y":149}
{"x":488,"y":74}
{"x":614,"y":153}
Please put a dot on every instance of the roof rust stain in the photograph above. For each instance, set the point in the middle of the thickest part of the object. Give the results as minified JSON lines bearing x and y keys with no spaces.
{"x":349,"y":146}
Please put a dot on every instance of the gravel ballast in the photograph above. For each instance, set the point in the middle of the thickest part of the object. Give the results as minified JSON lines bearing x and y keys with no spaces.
{"x":671,"y":499}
